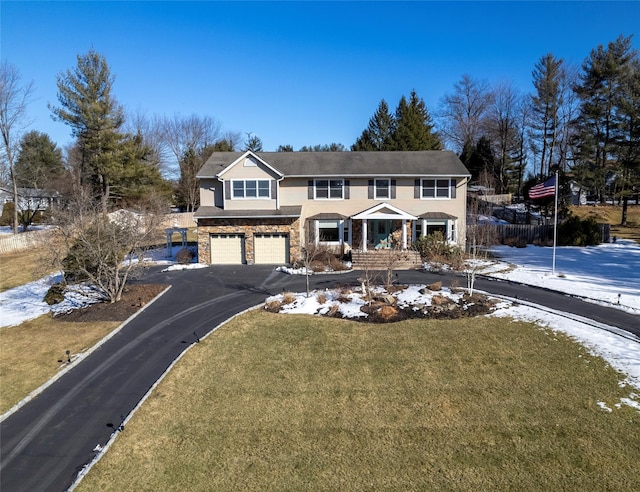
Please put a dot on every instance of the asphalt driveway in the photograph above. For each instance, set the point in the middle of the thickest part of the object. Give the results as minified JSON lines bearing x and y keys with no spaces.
{"x":47,"y":442}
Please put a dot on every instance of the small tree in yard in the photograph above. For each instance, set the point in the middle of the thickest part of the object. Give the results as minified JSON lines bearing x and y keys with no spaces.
{"x":479,"y":238}
{"x":103,"y":249}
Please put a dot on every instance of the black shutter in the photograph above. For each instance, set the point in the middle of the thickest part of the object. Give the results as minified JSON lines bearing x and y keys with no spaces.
{"x":393,"y":188}
{"x":347,"y":193}
{"x":453,"y":188}
{"x":227,"y":190}
{"x":274,"y":189}
{"x":370,"y":191}
{"x":416,"y":188}
{"x":310,"y":190}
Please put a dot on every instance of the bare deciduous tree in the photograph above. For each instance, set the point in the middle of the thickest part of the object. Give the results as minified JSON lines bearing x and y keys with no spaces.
{"x":462,"y":113}
{"x":187,"y":138}
{"x":14,"y":99}
{"x":104,"y":249}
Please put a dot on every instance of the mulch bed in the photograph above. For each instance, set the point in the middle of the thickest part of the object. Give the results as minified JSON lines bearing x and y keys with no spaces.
{"x":134,"y":297}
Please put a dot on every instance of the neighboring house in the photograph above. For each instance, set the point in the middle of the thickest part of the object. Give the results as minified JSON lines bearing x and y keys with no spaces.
{"x":31,"y":199}
{"x":578,"y":194}
{"x":264,"y":207}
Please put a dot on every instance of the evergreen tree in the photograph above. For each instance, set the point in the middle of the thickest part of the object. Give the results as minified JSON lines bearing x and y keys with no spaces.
{"x":547,"y":79}
{"x":413,"y":126}
{"x":600,"y":124}
{"x":39,"y":164}
{"x":88,"y":107}
{"x":481,"y":162}
{"x":253,"y":143}
{"x":333,"y":147}
{"x":140,"y":176}
{"x":285,"y":148}
{"x":223,"y":145}
{"x":628,"y":142}
{"x":377,"y":136}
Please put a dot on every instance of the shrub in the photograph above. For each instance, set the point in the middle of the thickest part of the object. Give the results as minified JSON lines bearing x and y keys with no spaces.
{"x":7,"y":214}
{"x":574,"y":231}
{"x":288,"y":298}
{"x":55,"y":294}
{"x":435,"y":249}
{"x":515,"y":241}
{"x":91,"y":260}
{"x":184,"y":256}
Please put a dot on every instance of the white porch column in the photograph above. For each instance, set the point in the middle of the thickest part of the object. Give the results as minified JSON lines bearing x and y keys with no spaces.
{"x":364,"y":234}
{"x":404,"y":233}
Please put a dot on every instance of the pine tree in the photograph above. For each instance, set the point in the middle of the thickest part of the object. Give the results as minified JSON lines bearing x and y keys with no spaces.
{"x":39,"y":164}
{"x":547,"y":79}
{"x":95,"y":117}
{"x":601,"y":90}
{"x":377,"y":136}
{"x":413,"y":126}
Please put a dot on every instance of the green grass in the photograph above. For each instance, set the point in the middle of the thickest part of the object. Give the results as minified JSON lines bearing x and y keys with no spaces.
{"x":282,"y":402}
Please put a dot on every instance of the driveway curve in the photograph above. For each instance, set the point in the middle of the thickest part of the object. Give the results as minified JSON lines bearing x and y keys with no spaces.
{"x":49,"y":440}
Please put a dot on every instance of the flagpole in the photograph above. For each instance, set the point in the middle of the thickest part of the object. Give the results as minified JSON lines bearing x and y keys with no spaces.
{"x":555,"y":227}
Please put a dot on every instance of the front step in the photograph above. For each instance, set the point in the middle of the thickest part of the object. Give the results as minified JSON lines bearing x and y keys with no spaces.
{"x":381,"y":259}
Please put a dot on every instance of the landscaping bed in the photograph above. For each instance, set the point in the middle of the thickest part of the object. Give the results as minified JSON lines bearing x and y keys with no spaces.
{"x":134,"y":297}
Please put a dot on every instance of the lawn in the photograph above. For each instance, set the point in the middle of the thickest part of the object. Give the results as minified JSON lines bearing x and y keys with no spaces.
{"x":33,"y":352}
{"x":610,"y":214}
{"x":22,"y":267}
{"x":288,"y":402}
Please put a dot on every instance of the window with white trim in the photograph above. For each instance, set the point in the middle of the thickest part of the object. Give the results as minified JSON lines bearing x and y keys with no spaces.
{"x":328,"y":231}
{"x":251,"y":188}
{"x":382,"y":189}
{"x":436,"y":188}
{"x":329,"y":189}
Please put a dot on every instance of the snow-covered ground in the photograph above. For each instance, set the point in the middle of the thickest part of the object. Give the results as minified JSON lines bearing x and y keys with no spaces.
{"x":599,"y":273}
{"x":27,"y":301}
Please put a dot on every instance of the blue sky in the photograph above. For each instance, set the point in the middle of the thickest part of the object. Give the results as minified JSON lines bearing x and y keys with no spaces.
{"x":297,"y":73}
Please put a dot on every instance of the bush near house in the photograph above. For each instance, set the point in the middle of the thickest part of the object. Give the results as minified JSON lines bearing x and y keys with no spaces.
{"x":433,"y":248}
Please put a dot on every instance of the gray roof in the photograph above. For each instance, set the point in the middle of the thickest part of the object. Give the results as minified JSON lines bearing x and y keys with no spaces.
{"x":437,"y":215}
{"x":207,"y":212}
{"x":347,"y":164}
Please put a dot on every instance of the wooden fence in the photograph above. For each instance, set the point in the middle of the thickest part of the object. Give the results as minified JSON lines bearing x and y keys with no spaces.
{"x":529,"y":234}
{"x":25,"y":240}
{"x":33,"y":239}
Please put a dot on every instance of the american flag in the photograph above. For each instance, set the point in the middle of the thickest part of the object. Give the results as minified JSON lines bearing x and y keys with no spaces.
{"x":548,"y":188}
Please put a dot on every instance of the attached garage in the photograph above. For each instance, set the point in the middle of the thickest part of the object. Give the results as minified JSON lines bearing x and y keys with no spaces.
{"x":227,"y":249}
{"x":271,"y":248}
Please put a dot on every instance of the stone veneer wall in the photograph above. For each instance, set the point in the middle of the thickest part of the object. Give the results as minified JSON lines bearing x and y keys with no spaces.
{"x":248,"y":228}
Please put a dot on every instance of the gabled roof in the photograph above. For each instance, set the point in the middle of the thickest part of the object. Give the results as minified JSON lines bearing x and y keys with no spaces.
{"x":248,"y":154}
{"x":384,"y":211}
{"x":345,"y":164}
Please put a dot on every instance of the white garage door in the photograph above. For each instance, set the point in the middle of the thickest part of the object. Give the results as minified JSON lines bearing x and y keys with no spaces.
{"x":227,"y":249}
{"x":271,"y":248}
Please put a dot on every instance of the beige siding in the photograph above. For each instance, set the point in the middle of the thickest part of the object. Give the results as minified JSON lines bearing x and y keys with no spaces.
{"x":244,"y":171}
{"x":293,"y":191}
{"x":211,"y":193}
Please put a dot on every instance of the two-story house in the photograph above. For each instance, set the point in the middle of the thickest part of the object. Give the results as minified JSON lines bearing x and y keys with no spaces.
{"x":264,"y":207}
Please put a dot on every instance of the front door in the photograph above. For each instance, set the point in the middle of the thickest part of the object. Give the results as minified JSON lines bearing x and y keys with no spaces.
{"x":381,"y":234}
